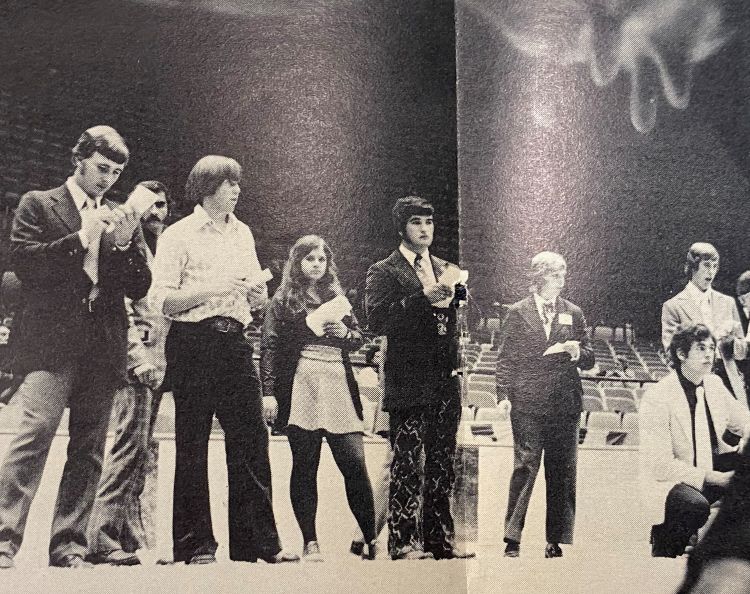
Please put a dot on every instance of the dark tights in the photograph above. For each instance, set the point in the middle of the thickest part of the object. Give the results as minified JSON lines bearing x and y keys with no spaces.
{"x":349,"y":453}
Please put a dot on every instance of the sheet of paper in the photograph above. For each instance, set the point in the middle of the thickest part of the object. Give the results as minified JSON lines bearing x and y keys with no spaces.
{"x":452,"y":276}
{"x":263,"y":276}
{"x":141,"y":199}
{"x":331,"y":311}
{"x":554,"y":349}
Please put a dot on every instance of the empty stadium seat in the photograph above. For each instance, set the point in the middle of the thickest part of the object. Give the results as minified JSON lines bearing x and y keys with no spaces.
{"x":602,"y":426}
{"x":620,"y":399}
{"x":489,"y":414}
{"x":592,"y":403}
{"x":480,"y":398}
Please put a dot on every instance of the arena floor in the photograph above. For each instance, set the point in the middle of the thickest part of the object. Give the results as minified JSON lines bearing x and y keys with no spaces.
{"x":611,"y":553}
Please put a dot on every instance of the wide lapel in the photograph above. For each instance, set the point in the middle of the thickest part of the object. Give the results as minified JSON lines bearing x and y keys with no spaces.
{"x":405,"y":273}
{"x":530,"y":313}
{"x":688,"y":307}
{"x":680,"y":407}
{"x":65,"y":208}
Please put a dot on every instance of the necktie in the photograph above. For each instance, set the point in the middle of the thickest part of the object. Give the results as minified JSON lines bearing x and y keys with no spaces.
{"x":422,"y":274}
{"x":703,"y":453}
{"x":91,"y":259}
{"x":548,"y":308}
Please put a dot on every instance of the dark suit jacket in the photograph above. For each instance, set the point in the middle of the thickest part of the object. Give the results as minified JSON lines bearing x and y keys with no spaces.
{"x":56,"y":325}
{"x":419,"y":357}
{"x":535,"y":384}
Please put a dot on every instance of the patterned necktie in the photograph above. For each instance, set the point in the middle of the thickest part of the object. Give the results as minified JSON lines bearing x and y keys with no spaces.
{"x":703,"y":453}
{"x":422,"y":274}
{"x":548,"y":308}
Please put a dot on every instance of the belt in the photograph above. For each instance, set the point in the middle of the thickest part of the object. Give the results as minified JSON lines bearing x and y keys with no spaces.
{"x":223,"y":324}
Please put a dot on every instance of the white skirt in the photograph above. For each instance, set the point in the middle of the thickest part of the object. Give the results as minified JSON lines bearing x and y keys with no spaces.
{"x":320,"y":394}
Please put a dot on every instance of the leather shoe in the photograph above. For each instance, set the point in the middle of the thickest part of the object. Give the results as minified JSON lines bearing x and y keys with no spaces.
{"x":513,"y":550}
{"x":6,"y":561}
{"x":201,"y":559}
{"x":72,"y":561}
{"x":371,"y":550}
{"x":357,"y":548}
{"x":281,"y":557}
{"x":116,"y":557}
{"x":453,"y":554}
{"x":552,"y":550}
{"x":411,"y":555}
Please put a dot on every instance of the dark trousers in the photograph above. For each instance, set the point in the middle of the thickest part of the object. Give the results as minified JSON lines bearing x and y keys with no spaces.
{"x":117,"y":520}
{"x":687,"y":509}
{"x":43,"y":397}
{"x":349,"y":454}
{"x":212,"y":372}
{"x":557,"y":439}
{"x":429,"y":431}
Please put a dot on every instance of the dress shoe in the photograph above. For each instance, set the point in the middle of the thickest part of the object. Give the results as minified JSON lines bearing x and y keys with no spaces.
{"x":664,"y":544}
{"x":116,"y":557}
{"x":411,"y":555}
{"x":512,"y":549}
{"x":6,"y":561}
{"x":72,"y":561}
{"x":280,"y":557}
{"x":201,"y":559}
{"x":552,"y":550}
{"x":370,"y":551}
{"x":454,"y":554}
{"x":357,"y":548}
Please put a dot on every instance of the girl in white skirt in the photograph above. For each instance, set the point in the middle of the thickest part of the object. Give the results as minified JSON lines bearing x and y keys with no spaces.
{"x":310,"y":391}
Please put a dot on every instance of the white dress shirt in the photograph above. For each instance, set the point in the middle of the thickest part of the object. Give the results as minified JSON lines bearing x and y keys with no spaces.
{"x":193,"y":253}
{"x":540,"y":301}
{"x":425,"y":263}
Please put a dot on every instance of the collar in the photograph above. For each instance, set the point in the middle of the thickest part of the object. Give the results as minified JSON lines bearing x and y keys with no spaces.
{"x":79,"y":196}
{"x":202,"y":218}
{"x":411,"y":256}
{"x":540,"y":301}
{"x":695,"y":294}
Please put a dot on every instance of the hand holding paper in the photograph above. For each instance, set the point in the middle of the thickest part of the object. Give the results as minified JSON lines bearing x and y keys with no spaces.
{"x":452,"y":276}
{"x":572,"y":347}
{"x":334,"y":310}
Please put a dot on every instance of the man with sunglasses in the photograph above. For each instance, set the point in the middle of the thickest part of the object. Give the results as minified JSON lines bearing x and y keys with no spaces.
{"x":121,"y":521}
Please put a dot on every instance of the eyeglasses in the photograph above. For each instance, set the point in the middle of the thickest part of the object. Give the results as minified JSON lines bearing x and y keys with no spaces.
{"x":160,"y":204}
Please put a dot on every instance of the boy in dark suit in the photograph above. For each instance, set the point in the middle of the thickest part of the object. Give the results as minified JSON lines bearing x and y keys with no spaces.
{"x":417,"y":314}
{"x":545,"y":393}
{"x":77,"y":259}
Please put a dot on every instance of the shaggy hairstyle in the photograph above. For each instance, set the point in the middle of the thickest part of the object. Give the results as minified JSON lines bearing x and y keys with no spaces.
{"x":542,"y":264}
{"x":683,"y":341}
{"x":208,"y":174}
{"x":697,"y":253}
{"x":407,"y":207}
{"x":294,"y":284}
{"x":104,"y":140}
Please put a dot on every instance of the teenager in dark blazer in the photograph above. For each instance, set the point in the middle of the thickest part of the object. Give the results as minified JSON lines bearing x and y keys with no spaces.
{"x":71,"y":338}
{"x":545,"y":394}
{"x":405,"y":302}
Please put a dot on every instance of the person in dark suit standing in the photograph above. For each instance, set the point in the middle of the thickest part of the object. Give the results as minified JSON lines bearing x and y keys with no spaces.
{"x":405,"y":301}
{"x":77,"y":259}
{"x":545,"y":395}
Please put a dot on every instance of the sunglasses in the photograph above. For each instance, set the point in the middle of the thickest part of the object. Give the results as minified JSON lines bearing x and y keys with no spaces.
{"x":160,"y":204}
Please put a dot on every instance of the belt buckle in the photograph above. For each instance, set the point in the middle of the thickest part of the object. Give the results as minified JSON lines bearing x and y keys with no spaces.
{"x":222,"y":326}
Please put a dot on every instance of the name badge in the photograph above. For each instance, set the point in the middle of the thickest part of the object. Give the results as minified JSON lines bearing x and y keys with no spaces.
{"x":565,"y":319}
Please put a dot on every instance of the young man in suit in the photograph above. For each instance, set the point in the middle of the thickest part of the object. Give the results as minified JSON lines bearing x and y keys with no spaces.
{"x":119,"y":524}
{"x":685,"y":421}
{"x":545,"y":395}
{"x":77,"y":259}
{"x":417,"y":314}
{"x":699,"y":303}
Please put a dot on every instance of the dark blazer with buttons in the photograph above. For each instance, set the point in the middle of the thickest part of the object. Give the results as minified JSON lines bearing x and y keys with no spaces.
{"x":55,"y":323}
{"x":419,"y":356}
{"x":537,"y":384}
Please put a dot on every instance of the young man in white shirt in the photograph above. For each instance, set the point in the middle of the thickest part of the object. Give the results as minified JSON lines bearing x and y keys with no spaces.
{"x":207,"y":280}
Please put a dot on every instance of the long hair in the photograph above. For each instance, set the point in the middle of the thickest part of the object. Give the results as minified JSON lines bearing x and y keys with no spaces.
{"x":294,"y":283}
